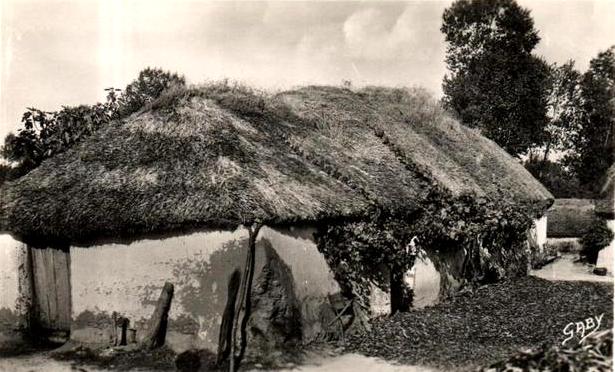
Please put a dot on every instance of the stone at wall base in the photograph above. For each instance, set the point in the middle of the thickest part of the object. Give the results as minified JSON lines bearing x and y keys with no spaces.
{"x":275,"y":323}
{"x":92,"y":335}
{"x":600,"y":271}
{"x":11,"y":340}
{"x":176,"y":341}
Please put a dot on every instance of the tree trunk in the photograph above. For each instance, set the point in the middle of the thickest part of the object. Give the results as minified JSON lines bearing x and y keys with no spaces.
{"x":226,"y":328}
{"x":244,"y":303}
{"x":400,"y":294}
{"x":157,"y":327}
{"x":547,"y":150}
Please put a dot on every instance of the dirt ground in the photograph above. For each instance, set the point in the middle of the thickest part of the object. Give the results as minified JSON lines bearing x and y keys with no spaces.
{"x":42,"y":362}
{"x":508,"y":316}
{"x":566,"y":267}
{"x":324,"y":363}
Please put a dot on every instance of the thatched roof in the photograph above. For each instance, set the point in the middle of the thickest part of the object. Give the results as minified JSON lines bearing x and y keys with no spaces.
{"x":223,"y":156}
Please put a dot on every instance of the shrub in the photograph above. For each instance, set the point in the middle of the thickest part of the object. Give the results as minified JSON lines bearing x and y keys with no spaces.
{"x":492,"y":233}
{"x":45,"y":134}
{"x":148,"y":86}
{"x":595,"y":238}
{"x":560,"y":181}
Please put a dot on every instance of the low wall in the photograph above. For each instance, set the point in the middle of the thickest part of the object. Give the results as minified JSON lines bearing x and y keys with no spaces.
{"x":127,"y":279}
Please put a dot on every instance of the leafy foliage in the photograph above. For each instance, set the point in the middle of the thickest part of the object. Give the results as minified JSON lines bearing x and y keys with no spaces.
{"x":596,"y":144}
{"x":561,"y":181}
{"x":361,"y":253}
{"x":357,"y":252}
{"x":564,"y":109}
{"x":45,"y":134}
{"x":595,"y":238}
{"x":593,"y":354}
{"x":495,"y":83}
{"x":148,"y":86}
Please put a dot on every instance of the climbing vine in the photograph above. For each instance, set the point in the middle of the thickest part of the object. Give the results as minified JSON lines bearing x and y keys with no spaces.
{"x":492,"y":233}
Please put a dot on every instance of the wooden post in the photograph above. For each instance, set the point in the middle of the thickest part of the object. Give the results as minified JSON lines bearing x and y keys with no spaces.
{"x":400,"y":299}
{"x":226,"y":328}
{"x":244,"y":303}
{"x":25,"y":277}
{"x":157,"y":329}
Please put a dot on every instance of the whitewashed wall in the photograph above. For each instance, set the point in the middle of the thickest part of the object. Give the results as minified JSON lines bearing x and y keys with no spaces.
{"x":127,"y":278}
{"x":541,"y":231}
{"x":605,"y":256}
{"x":10,"y":255}
{"x":423,"y":278}
{"x":9,"y":251}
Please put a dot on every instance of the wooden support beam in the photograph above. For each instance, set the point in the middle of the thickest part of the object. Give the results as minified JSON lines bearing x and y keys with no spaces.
{"x":157,"y":326}
{"x":25,"y":300}
{"x":244,"y":304}
{"x":226,"y":328}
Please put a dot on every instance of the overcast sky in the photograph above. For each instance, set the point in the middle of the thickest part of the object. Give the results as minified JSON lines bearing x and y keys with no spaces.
{"x":66,"y":52}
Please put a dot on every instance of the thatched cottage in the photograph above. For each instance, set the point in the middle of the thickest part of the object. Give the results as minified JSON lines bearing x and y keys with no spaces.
{"x":167,"y":194}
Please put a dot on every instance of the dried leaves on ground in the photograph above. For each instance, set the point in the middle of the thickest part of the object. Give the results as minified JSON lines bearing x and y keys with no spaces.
{"x":487,"y":325}
{"x":593,"y":354}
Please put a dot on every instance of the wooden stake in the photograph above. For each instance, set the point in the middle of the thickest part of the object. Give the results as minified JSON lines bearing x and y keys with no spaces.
{"x":157,"y":329}
{"x":25,"y":284}
{"x":244,"y":303}
{"x":226,"y":328}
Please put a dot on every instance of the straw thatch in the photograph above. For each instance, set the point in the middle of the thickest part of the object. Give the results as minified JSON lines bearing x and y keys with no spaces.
{"x":223,"y":156}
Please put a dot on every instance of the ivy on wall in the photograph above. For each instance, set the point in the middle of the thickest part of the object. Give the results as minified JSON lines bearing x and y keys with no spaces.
{"x":493,"y":235}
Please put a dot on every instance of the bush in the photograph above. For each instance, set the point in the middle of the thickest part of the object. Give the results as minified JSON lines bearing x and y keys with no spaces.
{"x":595,"y":238}
{"x":148,"y":86}
{"x":561,"y":182}
{"x":45,"y":134}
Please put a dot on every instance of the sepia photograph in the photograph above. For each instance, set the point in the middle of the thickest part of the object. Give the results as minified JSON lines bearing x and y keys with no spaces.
{"x":309,"y":186}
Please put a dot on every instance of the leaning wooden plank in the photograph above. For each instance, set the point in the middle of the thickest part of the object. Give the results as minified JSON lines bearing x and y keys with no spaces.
{"x":157,"y":325}
{"x":226,"y":328}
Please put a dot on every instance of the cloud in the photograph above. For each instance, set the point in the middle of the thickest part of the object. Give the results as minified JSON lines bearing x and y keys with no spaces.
{"x":58,"y":47}
{"x":368,"y":35}
{"x":575,"y":30}
{"x":376,"y":34}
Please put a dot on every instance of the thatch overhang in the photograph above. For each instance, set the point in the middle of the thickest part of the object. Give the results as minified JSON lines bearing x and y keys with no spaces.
{"x":220,"y":156}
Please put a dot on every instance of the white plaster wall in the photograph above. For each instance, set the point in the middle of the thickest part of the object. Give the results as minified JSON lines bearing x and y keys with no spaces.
{"x":425,"y":282}
{"x":423,"y":278}
{"x":127,"y":278}
{"x":541,"y":231}
{"x":9,"y":261}
{"x":119,"y":277}
{"x":605,"y":256}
